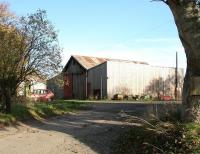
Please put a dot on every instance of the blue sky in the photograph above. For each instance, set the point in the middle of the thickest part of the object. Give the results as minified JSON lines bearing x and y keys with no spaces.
{"x":126,"y":29}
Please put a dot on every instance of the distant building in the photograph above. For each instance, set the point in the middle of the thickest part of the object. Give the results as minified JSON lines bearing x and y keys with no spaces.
{"x":91,"y":77}
{"x":56,"y":85}
{"x":32,"y":82}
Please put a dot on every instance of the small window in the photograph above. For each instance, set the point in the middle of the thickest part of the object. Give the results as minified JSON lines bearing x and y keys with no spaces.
{"x":34,"y":91}
{"x":44,"y":91}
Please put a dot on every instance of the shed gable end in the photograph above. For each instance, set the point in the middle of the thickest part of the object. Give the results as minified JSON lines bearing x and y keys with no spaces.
{"x":73,"y":67}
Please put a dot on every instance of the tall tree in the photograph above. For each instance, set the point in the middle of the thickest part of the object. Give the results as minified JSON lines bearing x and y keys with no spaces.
{"x":8,"y":42}
{"x":187,"y":18}
{"x":28,"y":45}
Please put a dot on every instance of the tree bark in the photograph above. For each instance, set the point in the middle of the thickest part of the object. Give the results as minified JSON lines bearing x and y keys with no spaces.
{"x":187,"y":18}
{"x":7,"y":100}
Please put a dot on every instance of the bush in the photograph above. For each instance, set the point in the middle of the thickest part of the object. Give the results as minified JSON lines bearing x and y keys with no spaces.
{"x":165,"y":137}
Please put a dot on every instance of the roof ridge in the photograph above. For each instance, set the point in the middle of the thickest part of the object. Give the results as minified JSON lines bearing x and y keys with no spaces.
{"x":112,"y":59}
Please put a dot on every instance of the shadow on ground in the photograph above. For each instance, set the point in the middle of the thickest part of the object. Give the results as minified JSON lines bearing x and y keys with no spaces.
{"x":99,"y":124}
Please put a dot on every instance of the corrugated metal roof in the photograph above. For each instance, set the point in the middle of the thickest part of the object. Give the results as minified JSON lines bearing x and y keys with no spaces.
{"x":128,"y":61}
{"x":90,"y":62}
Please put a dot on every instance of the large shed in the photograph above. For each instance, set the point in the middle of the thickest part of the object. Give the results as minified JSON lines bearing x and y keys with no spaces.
{"x":92,"y":77}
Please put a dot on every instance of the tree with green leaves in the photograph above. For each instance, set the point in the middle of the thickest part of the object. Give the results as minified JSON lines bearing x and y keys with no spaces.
{"x":187,"y":18}
{"x":28,"y":45}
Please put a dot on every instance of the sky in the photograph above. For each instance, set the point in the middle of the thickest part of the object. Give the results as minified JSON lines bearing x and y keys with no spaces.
{"x":122,"y":29}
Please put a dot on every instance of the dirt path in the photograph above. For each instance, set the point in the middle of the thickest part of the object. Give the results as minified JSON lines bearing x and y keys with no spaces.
{"x":85,"y":132}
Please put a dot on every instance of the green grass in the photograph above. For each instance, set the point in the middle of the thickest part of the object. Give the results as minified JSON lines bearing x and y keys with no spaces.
{"x":23,"y":112}
{"x":162,"y":137}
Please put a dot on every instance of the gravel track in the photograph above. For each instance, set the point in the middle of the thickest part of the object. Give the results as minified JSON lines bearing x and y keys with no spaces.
{"x":88,"y":131}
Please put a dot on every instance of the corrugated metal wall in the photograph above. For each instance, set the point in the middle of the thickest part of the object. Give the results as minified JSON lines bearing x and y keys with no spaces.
{"x":79,"y":89}
{"x":139,"y":79}
{"x":74,"y":67}
{"x":97,"y":78}
{"x":79,"y":79}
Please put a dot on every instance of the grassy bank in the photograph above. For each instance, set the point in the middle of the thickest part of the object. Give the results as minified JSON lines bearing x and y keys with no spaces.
{"x":160,"y":137}
{"x":23,"y":112}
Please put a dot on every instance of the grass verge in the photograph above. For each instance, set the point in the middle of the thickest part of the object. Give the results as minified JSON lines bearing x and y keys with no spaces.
{"x":160,"y":138}
{"x":38,"y":111}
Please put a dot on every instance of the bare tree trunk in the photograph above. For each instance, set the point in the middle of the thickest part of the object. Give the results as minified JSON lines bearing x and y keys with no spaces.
{"x":7,"y":100}
{"x":191,"y":98}
{"x":187,"y":18}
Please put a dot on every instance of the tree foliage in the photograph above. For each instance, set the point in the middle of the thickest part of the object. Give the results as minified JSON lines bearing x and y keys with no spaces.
{"x":181,"y":1}
{"x":42,"y":51}
{"x":28,"y":45}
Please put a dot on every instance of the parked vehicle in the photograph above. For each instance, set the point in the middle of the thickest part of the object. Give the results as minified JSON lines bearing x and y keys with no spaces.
{"x":165,"y":98}
{"x":42,"y":95}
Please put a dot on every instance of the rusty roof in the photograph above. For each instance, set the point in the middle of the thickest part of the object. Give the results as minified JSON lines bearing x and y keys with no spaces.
{"x":89,"y":62}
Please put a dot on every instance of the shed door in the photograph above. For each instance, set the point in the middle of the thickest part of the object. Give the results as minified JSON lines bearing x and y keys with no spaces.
{"x":68,"y":86}
{"x":88,"y":89}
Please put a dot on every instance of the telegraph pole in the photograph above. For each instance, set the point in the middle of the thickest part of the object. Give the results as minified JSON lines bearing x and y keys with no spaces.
{"x":101,"y":87}
{"x":176,"y":76}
